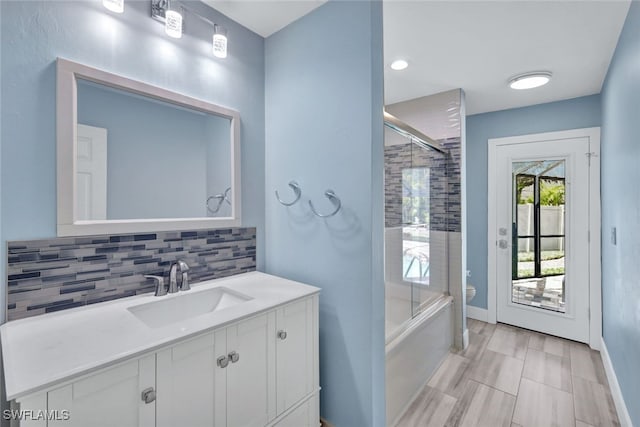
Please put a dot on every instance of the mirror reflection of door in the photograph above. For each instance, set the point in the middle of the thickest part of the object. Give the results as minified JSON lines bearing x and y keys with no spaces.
{"x":91,"y":173}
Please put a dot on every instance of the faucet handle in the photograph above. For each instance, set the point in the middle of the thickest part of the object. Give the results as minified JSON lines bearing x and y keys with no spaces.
{"x":161,"y":289}
{"x":184,"y":284}
{"x":184,"y":268}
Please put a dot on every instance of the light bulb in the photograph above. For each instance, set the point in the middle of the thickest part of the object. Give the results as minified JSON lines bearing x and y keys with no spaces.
{"x":173,"y":24}
{"x":530,"y":80}
{"x":116,"y":6}
{"x":399,"y":64}
{"x":219,"y":41}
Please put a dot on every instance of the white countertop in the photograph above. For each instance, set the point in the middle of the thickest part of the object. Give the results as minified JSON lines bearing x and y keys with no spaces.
{"x":40,"y":352}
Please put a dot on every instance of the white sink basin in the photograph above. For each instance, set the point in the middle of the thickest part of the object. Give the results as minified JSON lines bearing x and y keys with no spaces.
{"x":172,"y":309}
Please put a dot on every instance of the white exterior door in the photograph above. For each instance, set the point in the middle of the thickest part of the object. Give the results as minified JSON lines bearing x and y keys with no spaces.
{"x":91,"y":173}
{"x":540,"y":227}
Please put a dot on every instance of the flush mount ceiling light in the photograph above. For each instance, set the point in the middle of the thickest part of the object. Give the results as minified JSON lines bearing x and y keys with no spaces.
{"x":399,"y":64}
{"x":530,"y":80}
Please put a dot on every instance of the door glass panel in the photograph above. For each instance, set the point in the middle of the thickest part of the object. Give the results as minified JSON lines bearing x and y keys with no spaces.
{"x":538,"y":255}
{"x":552,"y":209}
{"x":552,"y":263}
{"x":526,"y":248}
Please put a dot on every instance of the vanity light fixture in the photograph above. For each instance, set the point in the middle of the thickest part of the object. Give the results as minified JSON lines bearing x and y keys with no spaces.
{"x":530,"y":80}
{"x":166,"y":11}
{"x":399,"y":64}
{"x":173,"y":24}
{"x":219,"y":41}
{"x":116,"y":6}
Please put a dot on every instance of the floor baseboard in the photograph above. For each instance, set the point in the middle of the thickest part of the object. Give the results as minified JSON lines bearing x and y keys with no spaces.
{"x":477,"y":313}
{"x":616,"y":393}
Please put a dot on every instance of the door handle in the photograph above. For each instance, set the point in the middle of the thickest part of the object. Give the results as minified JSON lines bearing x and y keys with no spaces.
{"x":234,"y":357}
{"x":282,"y":334}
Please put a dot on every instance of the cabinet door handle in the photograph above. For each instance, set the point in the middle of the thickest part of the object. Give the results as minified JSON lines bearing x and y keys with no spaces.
{"x":148,"y":395}
{"x":234,"y":357}
{"x":222,"y":361}
{"x":282,"y":334}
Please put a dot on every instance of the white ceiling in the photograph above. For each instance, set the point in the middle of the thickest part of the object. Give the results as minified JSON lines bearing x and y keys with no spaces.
{"x":476,"y":45}
{"x":264,"y":17}
{"x":479,"y":45}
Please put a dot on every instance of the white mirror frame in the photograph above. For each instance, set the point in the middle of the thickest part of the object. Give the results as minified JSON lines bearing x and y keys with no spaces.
{"x":66,"y":120}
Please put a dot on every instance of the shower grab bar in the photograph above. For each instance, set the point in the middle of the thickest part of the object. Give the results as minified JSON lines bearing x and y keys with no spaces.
{"x":334,"y":199}
{"x":404,"y":129}
{"x":221,"y":199}
{"x":296,"y":189}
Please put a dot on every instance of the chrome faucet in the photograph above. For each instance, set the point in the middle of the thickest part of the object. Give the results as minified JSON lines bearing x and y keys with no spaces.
{"x":173,"y":277}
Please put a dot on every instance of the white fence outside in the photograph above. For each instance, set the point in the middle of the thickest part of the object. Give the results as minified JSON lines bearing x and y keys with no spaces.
{"x":551,"y":222}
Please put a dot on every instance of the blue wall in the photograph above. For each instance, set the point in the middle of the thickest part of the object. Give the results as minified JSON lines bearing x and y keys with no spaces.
{"x":620,"y":208}
{"x":324,"y":130}
{"x":574,"y":113}
{"x":34,"y":33}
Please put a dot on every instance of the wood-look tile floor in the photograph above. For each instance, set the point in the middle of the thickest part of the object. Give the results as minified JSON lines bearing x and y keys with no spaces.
{"x":513,"y":377}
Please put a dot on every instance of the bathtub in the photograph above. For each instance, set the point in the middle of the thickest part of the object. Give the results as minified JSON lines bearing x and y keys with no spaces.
{"x":414,"y":348}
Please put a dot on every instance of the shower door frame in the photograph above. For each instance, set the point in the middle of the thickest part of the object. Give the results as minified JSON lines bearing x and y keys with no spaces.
{"x":595,"y":291}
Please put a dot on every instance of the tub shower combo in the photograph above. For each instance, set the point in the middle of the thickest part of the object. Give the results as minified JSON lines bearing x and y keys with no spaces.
{"x":418,"y":311}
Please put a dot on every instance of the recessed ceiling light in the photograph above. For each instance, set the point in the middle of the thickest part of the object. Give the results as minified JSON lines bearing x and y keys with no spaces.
{"x":530,"y":80}
{"x":399,"y":64}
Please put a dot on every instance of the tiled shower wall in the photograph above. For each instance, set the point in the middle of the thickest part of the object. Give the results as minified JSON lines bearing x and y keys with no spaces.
{"x":444,"y":188}
{"x":61,"y":273}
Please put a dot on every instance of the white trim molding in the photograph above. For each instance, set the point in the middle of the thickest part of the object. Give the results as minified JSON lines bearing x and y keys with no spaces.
{"x":68,"y":73}
{"x":595,"y":291}
{"x":477,"y":313}
{"x":616,"y":393}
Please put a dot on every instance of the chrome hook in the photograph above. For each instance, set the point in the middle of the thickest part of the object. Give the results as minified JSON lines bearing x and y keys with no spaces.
{"x":334,"y":199}
{"x":221,"y":199}
{"x":296,"y":189}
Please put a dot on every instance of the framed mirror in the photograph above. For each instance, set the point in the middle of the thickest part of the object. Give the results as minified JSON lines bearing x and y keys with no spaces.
{"x":132,"y":157}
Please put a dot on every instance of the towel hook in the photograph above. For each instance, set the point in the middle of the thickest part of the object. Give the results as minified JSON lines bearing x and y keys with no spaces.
{"x":334,"y":199}
{"x":296,"y":189}
{"x":221,"y":199}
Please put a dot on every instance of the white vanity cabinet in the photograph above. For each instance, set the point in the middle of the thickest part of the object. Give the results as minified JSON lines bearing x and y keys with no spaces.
{"x":259,"y":371}
{"x":111,"y":397}
{"x":186,"y":375}
{"x":249,"y":374}
{"x":218,"y":379}
{"x":294,"y":350}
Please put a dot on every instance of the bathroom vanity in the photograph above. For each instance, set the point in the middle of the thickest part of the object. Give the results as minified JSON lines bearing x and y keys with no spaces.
{"x":237,"y":351}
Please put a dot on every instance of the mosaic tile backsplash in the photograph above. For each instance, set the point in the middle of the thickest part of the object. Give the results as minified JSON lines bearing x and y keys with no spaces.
{"x":444,"y":185}
{"x":61,"y":273}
